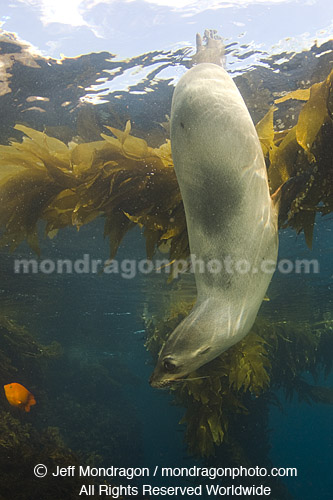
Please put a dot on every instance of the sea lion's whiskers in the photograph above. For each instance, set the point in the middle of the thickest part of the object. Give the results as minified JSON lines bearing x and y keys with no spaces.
{"x":190,"y":379}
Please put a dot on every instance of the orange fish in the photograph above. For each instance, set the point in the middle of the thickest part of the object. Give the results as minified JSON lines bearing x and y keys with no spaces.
{"x":18,"y":395}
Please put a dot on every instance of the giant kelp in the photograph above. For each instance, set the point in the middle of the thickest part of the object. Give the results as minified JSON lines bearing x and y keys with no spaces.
{"x":275,"y":355}
{"x":124,"y":180}
{"x":119,"y":177}
{"x":301,"y":158}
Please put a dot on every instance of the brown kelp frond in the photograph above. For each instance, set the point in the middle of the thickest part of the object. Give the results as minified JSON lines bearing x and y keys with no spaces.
{"x":128,"y":182}
{"x":120,"y":177}
{"x":25,"y":193}
{"x":215,"y":392}
{"x":212,"y":402}
{"x":250,"y":366}
{"x":303,"y":156}
{"x":274,"y":355}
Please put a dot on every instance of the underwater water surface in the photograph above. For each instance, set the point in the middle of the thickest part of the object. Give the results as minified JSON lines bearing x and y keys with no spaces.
{"x":85,"y":342}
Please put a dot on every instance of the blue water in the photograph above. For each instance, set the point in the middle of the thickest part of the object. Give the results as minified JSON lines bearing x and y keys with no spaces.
{"x":97,"y":319}
{"x":302,"y":438}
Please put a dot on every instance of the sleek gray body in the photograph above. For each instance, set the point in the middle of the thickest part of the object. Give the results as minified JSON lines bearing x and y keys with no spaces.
{"x":230,"y":218}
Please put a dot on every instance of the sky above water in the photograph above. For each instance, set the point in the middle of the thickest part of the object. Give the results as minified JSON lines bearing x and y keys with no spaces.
{"x":128,"y":28}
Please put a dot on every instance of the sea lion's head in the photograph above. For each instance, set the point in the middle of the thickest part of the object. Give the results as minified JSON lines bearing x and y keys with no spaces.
{"x":190,"y":346}
{"x":176,"y":366}
{"x":204,"y":334}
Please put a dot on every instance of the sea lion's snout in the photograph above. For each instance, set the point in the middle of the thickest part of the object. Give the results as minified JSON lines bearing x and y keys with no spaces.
{"x":158,"y":382}
{"x":165,"y":373}
{"x":185,"y":350}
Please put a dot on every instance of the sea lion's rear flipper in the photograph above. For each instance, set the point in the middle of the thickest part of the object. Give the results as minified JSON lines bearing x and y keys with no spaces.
{"x":210,"y":52}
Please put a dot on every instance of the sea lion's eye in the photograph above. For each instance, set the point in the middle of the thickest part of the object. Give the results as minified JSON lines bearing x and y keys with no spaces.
{"x":169,"y":366}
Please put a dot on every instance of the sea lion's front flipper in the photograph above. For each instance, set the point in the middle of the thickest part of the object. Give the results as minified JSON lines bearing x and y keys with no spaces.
{"x":276,"y":198}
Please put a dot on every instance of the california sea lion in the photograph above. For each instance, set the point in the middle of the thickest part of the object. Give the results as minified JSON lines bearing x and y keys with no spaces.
{"x":230,"y":217}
